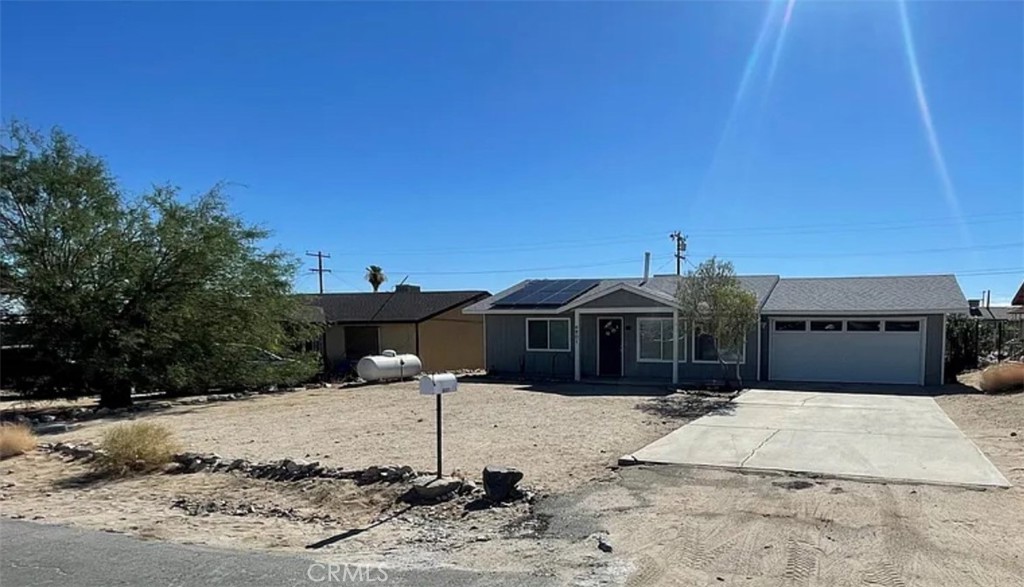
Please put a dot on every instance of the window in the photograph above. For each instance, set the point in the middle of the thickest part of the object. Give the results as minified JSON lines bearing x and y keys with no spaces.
{"x":902,"y":325}
{"x":547,"y":334}
{"x":790,"y":325}
{"x":827,"y":325}
{"x":654,"y":340}
{"x":704,"y":350}
{"x":863,"y":325}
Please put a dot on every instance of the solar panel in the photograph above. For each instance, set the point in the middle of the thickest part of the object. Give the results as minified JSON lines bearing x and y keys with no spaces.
{"x":548,"y":292}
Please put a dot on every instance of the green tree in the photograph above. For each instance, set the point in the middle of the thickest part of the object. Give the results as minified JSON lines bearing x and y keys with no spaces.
{"x":712,"y":300}
{"x":149,"y":293}
{"x":375,"y":275}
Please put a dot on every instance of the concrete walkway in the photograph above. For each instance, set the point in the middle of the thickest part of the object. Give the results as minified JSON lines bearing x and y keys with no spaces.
{"x":898,"y":438}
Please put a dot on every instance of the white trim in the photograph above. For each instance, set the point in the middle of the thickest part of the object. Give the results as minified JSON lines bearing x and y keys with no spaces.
{"x":549,"y":350}
{"x":942,"y":368}
{"x":628,"y":287}
{"x":760,"y":328}
{"x":675,"y":346}
{"x":577,"y":365}
{"x":675,"y":329}
{"x":626,"y":310}
{"x":907,"y":312}
{"x":693,"y":341}
{"x":622,"y":343}
{"x":485,"y":342}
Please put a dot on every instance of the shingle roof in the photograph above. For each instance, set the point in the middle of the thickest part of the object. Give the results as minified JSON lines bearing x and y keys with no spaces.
{"x":918,"y":293}
{"x":996,"y":313}
{"x":404,"y":306}
{"x":663,"y":285}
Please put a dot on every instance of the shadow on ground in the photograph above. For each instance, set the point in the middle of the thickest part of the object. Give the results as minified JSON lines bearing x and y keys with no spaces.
{"x":872,"y":388}
{"x":686,"y":406}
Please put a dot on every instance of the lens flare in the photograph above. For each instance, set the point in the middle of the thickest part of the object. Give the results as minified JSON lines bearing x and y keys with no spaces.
{"x":749,"y":68}
{"x":780,"y":40}
{"x":926,"y":118}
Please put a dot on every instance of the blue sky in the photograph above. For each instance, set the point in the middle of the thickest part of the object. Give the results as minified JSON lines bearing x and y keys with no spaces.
{"x":474,"y":145}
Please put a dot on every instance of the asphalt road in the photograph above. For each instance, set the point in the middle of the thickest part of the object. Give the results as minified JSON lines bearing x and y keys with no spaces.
{"x":39,"y":554}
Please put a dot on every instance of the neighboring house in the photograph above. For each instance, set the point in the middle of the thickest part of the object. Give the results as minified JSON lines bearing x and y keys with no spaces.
{"x":856,"y":329}
{"x":1017,"y":303}
{"x":428,"y":324}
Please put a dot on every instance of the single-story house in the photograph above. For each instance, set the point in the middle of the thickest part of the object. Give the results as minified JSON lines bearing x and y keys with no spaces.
{"x":851,"y":329}
{"x":429,"y":324}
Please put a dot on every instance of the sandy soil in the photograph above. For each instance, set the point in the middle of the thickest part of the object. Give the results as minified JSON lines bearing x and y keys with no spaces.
{"x":668,"y":525}
{"x":559,"y":436}
{"x":678,"y":526}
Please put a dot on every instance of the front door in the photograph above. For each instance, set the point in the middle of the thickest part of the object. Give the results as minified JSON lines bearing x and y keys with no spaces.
{"x":609,"y":347}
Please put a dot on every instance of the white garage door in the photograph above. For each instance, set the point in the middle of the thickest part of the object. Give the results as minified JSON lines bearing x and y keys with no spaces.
{"x":862,"y":350}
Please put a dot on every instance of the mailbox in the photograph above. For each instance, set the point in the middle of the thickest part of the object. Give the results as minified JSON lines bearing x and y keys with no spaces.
{"x":438,"y":383}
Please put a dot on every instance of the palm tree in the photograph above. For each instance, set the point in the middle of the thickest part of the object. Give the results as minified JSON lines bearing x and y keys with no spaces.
{"x":375,"y":275}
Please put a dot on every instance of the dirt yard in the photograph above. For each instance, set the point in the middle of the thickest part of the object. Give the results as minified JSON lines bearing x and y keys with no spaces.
{"x":668,"y":526}
{"x":679,"y":526}
{"x":561,"y":437}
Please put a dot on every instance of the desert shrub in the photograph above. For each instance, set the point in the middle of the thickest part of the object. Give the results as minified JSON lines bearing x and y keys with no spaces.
{"x":1002,"y":377}
{"x":15,"y":439}
{"x":136,"y":447}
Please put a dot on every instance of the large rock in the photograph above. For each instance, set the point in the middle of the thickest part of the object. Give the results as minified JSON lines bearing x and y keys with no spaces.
{"x":500,"y":482}
{"x":432,"y":488}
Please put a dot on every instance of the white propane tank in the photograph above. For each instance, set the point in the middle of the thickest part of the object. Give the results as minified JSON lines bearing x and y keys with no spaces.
{"x":388,"y":365}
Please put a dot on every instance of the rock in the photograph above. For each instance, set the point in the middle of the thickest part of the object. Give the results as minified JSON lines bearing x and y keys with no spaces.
{"x":1013,"y":434}
{"x":467,"y":488}
{"x":102,"y":412}
{"x":432,"y":488}
{"x":500,"y":482}
{"x":48,"y":418}
{"x":603,"y":544}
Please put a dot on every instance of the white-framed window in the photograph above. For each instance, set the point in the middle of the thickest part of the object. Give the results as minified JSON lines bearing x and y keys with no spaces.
{"x":705,"y":349}
{"x":547,"y":335}
{"x":654,"y":340}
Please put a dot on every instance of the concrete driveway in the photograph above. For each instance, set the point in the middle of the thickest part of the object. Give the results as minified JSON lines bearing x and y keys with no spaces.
{"x":853,"y":435}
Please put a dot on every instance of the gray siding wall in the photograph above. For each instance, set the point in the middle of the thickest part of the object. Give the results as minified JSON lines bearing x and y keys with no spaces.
{"x":623,"y":299}
{"x":507,"y":354}
{"x":933,"y":358}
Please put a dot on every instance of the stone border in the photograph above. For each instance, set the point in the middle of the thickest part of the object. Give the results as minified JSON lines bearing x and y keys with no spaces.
{"x":280,"y":470}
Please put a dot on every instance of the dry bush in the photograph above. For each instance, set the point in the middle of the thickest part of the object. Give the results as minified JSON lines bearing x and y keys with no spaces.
{"x":136,"y":447}
{"x":1008,"y":376}
{"x":15,"y":439}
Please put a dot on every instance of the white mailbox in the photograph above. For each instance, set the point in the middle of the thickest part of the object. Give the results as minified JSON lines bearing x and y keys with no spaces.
{"x":438,"y":383}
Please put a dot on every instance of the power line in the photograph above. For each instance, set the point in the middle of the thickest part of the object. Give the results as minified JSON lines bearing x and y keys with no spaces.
{"x":889,"y":253}
{"x":804,"y":229}
{"x":522,"y":270}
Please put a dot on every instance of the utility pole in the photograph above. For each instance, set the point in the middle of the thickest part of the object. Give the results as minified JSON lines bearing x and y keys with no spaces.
{"x":320,"y":256}
{"x":680,"y":250}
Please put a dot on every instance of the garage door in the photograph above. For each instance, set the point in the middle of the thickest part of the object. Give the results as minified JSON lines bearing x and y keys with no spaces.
{"x":862,"y":350}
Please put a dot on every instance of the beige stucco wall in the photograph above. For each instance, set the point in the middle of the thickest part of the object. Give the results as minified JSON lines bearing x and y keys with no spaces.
{"x":452,"y":340}
{"x":400,"y":338}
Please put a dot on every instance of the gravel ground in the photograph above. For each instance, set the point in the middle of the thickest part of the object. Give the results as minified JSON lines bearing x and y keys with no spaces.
{"x":667,"y":525}
{"x":559,"y":435}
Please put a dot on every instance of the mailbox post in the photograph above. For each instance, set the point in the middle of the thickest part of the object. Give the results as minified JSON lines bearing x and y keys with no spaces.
{"x":438,"y":385}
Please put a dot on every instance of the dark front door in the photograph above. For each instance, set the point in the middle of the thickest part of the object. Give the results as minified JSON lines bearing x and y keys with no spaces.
{"x":609,"y":347}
